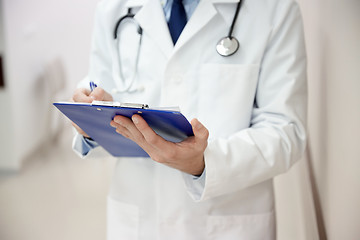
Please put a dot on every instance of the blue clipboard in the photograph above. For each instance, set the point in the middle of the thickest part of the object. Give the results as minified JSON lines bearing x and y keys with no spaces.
{"x":95,"y":120}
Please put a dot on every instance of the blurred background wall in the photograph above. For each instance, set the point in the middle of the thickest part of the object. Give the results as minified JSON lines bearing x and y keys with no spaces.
{"x":52,"y":194}
{"x":46,"y":191}
{"x":331,"y":168}
{"x":6,"y":153}
{"x":46,"y":52}
{"x":333,"y":29}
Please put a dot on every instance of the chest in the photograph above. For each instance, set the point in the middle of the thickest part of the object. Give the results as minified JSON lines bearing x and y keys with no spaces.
{"x":194,"y":76}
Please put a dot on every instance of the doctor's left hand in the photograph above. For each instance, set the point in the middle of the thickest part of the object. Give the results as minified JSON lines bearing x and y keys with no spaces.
{"x":87,"y":96}
{"x":186,"y":156}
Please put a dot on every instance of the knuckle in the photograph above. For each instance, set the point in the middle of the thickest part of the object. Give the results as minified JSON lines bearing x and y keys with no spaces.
{"x":205,"y":145}
{"x":100,"y":92}
{"x":206,"y":133}
{"x":75,"y":97}
{"x":153,"y":156}
{"x":201,"y":146}
{"x":158,"y":159}
{"x":80,"y":95}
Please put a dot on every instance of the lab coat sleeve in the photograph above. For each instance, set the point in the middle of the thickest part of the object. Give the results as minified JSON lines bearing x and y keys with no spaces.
{"x":276,"y":137}
{"x":87,"y":149}
{"x":83,"y":146}
{"x":195,"y":185}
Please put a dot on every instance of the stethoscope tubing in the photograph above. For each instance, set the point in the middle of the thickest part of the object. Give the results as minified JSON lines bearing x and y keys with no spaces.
{"x":117,"y":38}
{"x":129,"y":14}
{"x":238,"y":7}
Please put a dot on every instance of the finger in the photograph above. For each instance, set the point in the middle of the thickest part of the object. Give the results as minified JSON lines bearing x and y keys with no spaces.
{"x":82,"y":95}
{"x":136,"y":135}
{"x":161,"y":150}
{"x":121,"y":130}
{"x":130,"y":127}
{"x":100,"y":94}
{"x":200,"y":131}
{"x":150,"y":136}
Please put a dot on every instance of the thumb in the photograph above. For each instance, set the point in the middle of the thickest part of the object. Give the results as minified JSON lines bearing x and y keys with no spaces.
{"x":200,"y":131}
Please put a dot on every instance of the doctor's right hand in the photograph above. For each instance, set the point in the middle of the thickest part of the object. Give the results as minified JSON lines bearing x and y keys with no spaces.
{"x":86,"y":96}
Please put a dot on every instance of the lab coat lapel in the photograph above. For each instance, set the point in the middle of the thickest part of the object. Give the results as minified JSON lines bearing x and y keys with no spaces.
{"x":152,"y":19}
{"x":202,"y":16}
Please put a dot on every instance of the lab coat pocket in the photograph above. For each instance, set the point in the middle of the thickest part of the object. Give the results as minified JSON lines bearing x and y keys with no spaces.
{"x":242,"y":227}
{"x":227,"y":90}
{"x":123,"y":220}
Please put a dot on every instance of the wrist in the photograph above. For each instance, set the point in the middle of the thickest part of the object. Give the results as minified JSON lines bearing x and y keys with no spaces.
{"x":200,"y":168}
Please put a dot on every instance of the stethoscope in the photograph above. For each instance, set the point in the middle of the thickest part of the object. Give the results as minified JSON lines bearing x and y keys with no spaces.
{"x":226,"y":47}
{"x":128,"y":88}
{"x":229,"y":45}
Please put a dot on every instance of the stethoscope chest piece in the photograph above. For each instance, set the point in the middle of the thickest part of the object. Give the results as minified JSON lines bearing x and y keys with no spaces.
{"x":227,"y":46}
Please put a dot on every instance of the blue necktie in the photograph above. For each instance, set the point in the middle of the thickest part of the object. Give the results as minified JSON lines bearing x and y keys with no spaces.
{"x":177,"y":19}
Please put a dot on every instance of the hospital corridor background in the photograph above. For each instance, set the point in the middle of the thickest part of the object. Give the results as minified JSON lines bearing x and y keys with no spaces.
{"x":48,"y":192}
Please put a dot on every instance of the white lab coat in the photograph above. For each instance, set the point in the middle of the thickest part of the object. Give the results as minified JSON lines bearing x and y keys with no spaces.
{"x":253,"y":103}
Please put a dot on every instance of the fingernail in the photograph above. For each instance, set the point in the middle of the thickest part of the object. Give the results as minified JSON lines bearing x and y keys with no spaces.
{"x":92,"y":97}
{"x":135,"y":120}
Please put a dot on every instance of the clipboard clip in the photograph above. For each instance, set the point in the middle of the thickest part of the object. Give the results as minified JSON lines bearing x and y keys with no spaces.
{"x":134,"y":105}
{"x":118,"y":104}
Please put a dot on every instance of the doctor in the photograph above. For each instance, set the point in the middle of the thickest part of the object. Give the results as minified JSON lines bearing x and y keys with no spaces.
{"x":248,"y":111}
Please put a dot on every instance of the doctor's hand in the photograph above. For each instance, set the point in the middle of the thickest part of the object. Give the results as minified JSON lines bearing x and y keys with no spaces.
{"x":186,"y":156}
{"x":86,"y":96}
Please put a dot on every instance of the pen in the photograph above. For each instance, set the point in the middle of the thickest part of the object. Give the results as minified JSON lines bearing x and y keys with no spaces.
{"x":92,"y":86}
